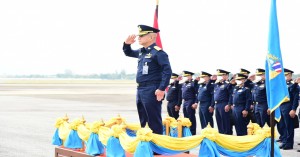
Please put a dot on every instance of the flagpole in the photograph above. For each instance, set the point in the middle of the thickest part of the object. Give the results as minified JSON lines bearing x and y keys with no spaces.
{"x":272,"y":123}
{"x":157,"y":1}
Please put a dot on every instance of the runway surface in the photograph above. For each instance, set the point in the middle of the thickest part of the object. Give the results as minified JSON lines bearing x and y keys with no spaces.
{"x":28,"y":113}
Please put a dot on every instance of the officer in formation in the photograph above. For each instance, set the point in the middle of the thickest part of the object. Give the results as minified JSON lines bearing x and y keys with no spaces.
{"x":241,"y":102}
{"x":259,"y":95}
{"x":288,"y":111}
{"x":222,"y":91}
{"x":174,"y":96}
{"x":189,"y":95}
{"x":153,"y":76}
{"x":205,"y":99}
{"x":250,"y":84}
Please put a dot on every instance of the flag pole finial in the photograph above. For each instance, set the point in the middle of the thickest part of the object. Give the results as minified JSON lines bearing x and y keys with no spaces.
{"x":157,"y":2}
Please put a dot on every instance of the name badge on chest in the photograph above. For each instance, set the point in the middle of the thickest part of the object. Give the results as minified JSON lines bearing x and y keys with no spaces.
{"x":145,"y":69}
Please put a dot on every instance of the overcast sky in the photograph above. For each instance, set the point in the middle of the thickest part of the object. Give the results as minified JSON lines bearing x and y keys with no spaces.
{"x":47,"y":37}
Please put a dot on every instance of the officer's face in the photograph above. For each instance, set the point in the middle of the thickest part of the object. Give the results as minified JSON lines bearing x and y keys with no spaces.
{"x":206,"y":78}
{"x":288,"y":76}
{"x":225,"y":76}
{"x":144,"y":39}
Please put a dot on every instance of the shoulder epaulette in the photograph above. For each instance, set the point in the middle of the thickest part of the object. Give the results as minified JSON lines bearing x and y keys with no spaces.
{"x":226,"y":81}
{"x":157,"y":48}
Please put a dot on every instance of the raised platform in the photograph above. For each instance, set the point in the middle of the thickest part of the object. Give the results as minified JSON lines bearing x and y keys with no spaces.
{"x":65,"y":152}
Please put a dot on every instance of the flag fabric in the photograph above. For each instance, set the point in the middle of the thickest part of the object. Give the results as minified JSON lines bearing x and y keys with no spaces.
{"x":155,"y":25}
{"x":276,"y":86}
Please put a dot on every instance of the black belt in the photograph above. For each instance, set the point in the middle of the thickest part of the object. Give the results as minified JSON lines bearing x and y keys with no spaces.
{"x":263,"y":102}
{"x":216,"y":102}
{"x":148,"y":83}
{"x":239,"y":104}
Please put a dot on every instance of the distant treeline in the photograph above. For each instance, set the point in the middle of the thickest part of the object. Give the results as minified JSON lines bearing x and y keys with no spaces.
{"x":122,"y":75}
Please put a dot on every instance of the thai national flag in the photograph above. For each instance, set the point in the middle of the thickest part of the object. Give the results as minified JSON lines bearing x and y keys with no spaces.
{"x":277,"y":67}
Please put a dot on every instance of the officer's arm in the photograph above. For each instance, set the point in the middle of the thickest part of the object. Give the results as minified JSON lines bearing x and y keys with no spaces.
{"x":212,"y":104}
{"x":179,"y":95}
{"x":230,"y":88}
{"x":296,"y":98}
{"x":196,"y":86}
{"x":129,"y":52}
{"x":248,"y":99}
{"x":164,"y":63}
{"x":231,"y":99}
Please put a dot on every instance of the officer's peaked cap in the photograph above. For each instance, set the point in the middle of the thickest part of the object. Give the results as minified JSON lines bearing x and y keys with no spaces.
{"x":187,"y":73}
{"x":143,"y":30}
{"x":221,"y":72}
{"x":287,"y":71}
{"x":203,"y":74}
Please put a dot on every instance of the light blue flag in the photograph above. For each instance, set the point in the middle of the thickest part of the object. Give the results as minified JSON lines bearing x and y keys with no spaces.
{"x":277,"y":92}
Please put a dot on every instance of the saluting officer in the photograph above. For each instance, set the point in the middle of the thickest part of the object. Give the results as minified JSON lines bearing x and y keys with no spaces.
{"x":205,"y":99}
{"x":250,"y":84}
{"x":222,"y":91}
{"x":174,"y":96}
{"x":288,"y":112}
{"x":153,"y":76}
{"x":259,"y":96}
{"x":241,"y":101}
{"x":189,"y":95}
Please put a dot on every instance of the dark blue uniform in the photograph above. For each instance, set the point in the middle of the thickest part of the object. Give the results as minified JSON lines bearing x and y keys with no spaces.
{"x":189,"y":95}
{"x":222,"y":92}
{"x":241,"y":100}
{"x":251,"y":114}
{"x":153,"y":72}
{"x":286,"y":125}
{"x":259,"y":96}
{"x":174,"y":97}
{"x":205,"y":99}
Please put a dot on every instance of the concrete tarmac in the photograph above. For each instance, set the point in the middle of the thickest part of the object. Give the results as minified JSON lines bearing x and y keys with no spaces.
{"x":28,"y":113}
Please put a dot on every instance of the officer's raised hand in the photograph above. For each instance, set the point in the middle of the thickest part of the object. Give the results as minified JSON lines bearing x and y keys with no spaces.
{"x":213,"y":77}
{"x":130,"y":39}
{"x":159,"y":94}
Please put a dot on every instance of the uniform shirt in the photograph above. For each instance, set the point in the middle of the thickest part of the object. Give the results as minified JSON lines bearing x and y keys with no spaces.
{"x":222,"y":91}
{"x":189,"y":90}
{"x":294,"y":94}
{"x":174,"y":93}
{"x":159,"y":68}
{"x":206,"y":92}
{"x":241,"y":96}
{"x":259,"y":92}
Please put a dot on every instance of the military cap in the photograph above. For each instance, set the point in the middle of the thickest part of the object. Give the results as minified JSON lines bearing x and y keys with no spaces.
{"x":287,"y":71}
{"x":260,"y":71}
{"x":173,"y":76}
{"x":240,"y":76}
{"x":187,"y":73}
{"x":244,"y":71}
{"x":203,"y":74}
{"x":143,"y":30}
{"x":222,"y":72}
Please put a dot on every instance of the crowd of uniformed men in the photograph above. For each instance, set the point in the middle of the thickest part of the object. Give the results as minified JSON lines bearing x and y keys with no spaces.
{"x":235,"y":101}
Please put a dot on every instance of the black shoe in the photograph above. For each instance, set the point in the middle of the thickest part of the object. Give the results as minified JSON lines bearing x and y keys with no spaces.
{"x":154,"y":153}
{"x":287,"y":148}
{"x":298,"y":143}
{"x":298,"y":150}
{"x":279,"y":140}
{"x":282,"y":146}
